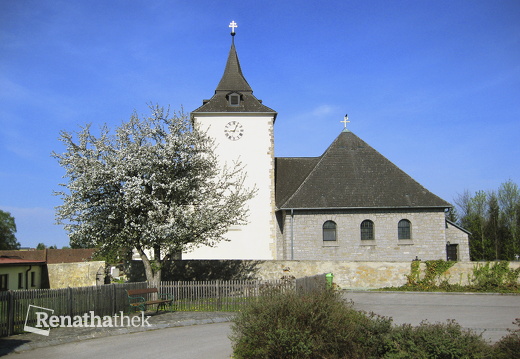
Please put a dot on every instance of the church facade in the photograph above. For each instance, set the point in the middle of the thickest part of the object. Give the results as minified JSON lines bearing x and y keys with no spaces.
{"x":350,"y":203}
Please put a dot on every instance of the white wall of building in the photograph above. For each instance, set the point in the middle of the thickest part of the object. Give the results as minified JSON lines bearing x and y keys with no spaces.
{"x":255,"y":149}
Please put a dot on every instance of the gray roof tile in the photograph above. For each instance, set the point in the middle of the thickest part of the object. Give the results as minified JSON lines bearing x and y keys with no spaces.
{"x":350,"y":174}
{"x":233,"y":81}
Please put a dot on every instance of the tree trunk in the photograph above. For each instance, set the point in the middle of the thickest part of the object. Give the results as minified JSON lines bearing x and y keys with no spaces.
{"x":153,"y":275}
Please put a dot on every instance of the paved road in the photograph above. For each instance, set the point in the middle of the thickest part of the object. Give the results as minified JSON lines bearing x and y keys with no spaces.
{"x":490,"y":314}
{"x":196,"y":341}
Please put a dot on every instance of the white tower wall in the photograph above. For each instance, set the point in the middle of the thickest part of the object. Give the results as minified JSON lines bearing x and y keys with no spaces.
{"x":255,"y":150}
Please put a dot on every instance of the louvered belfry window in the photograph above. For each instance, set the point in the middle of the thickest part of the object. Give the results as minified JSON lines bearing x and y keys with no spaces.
{"x":367,"y":230}
{"x":234,"y":99}
{"x":329,"y":231}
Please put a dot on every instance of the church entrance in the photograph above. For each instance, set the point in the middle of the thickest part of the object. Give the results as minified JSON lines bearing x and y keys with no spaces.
{"x":451,"y":252}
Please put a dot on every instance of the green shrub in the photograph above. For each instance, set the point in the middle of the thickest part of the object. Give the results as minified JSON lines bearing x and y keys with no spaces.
{"x":439,"y":340}
{"x":495,"y":276}
{"x":509,"y":346}
{"x":322,"y":325}
{"x":289,"y":325}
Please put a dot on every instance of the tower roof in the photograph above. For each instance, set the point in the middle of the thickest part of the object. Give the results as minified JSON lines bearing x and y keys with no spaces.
{"x":349,"y":174}
{"x":233,"y":83}
{"x":233,"y":78}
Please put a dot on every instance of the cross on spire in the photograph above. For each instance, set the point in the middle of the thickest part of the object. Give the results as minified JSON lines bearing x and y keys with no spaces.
{"x":232,"y":25}
{"x":345,"y":121}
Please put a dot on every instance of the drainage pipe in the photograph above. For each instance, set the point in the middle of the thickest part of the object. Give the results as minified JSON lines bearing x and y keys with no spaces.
{"x":292,"y":234}
{"x":27,"y":277}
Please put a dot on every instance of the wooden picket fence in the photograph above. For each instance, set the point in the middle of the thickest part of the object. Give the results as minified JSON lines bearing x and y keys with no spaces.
{"x":111,"y":299}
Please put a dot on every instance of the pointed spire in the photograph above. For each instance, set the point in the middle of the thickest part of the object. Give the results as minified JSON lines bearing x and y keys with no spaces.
{"x":231,"y":84}
{"x":233,"y":78}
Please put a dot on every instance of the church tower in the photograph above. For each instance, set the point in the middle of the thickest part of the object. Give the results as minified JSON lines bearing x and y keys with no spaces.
{"x":242,"y":128}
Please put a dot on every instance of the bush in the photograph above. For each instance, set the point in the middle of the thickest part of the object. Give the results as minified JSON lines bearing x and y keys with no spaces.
{"x":509,"y":346}
{"x":439,"y":340}
{"x":494,"y":277}
{"x":288,"y":325}
{"x":322,"y":325}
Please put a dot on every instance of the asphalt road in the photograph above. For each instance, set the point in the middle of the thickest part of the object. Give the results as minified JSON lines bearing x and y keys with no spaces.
{"x":489,"y":314}
{"x":195,"y":341}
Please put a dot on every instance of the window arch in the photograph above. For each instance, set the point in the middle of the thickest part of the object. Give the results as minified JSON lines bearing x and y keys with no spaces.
{"x":329,"y":231}
{"x":367,"y":230}
{"x":404,"y":230}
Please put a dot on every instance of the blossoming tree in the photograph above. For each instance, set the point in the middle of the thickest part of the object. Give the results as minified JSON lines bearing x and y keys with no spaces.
{"x":155,"y":185}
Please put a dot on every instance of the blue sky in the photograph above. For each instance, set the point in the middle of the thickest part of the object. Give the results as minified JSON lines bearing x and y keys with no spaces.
{"x":432,"y":85}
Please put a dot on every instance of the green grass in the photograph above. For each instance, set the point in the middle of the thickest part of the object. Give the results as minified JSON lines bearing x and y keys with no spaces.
{"x":454,"y":288}
{"x":225,"y":304}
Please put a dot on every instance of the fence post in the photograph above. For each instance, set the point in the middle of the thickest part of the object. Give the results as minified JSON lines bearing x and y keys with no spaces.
{"x":10,"y":311}
{"x":219,"y":297}
{"x":69,"y":301}
{"x":113,"y":291}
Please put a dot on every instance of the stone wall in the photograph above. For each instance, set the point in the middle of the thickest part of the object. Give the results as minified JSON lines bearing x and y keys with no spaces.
{"x":362,"y":275}
{"x":351,"y":275}
{"x":301,"y":236}
{"x":455,"y":235}
{"x":347,"y":275}
{"x":81,"y":274}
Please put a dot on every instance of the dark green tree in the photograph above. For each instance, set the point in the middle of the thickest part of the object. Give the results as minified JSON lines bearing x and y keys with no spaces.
{"x":493,"y":226}
{"x":509,"y":200}
{"x":493,"y":218}
{"x":7,"y":231}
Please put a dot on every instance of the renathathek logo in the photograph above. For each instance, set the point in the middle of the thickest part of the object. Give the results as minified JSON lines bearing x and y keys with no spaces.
{"x":44,"y":320}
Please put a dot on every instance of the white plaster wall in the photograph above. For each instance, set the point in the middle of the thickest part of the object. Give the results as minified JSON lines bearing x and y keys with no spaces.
{"x":12,"y":276}
{"x":255,"y":150}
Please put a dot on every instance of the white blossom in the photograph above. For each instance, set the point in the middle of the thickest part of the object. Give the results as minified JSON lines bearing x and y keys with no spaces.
{"x":154,"y":183}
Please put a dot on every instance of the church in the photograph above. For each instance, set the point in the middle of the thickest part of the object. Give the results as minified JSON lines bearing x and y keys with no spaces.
{"x":348,"y":204}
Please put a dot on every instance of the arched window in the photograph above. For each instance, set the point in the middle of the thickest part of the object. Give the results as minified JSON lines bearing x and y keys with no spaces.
{"x":367,"y":230}
{"x":404,"y":229}
{"x":329,"y":231}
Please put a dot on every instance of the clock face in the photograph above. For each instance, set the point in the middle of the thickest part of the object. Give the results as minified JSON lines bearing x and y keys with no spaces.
{"x":234,"y":130}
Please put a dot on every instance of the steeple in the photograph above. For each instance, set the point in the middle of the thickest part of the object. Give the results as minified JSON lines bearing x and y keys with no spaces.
{"x":233,"y":93}
{"x":233,"y":78}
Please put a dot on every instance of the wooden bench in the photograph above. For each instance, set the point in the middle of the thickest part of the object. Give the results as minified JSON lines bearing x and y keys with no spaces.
{"x":137,"y":298}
